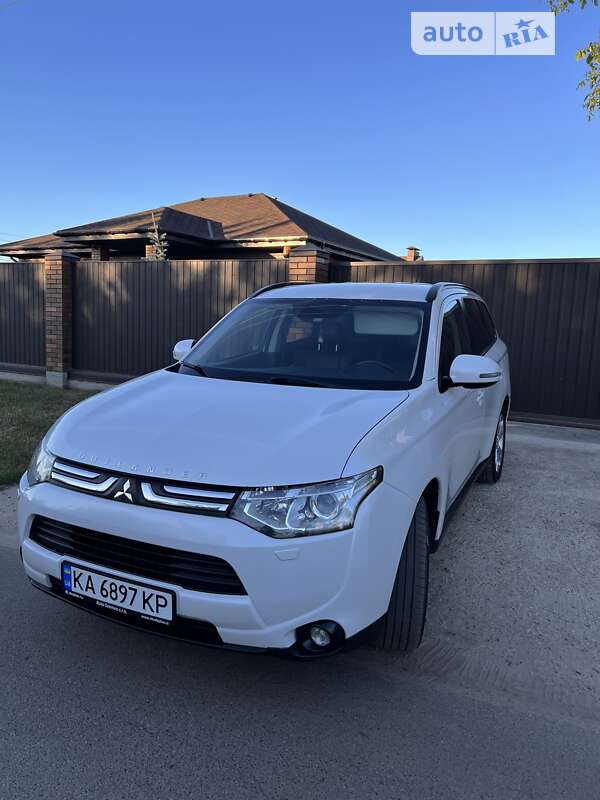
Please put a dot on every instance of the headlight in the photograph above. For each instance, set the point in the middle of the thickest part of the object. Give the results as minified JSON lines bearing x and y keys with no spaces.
{"x":40,"y":466}
{"x":285,"y":512}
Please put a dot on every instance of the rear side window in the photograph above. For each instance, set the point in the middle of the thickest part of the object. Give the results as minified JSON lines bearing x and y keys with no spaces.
{"x":482,"y":332}
{"x":453,"y":343}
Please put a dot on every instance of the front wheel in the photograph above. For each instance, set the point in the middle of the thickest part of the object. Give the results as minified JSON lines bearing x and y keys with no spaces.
{"x":401,"y":629}
{"x":493,"y":467}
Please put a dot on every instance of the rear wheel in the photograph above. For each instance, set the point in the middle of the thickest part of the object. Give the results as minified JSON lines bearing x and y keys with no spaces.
{"x":401,"y":629}
{"x":493,"y":467}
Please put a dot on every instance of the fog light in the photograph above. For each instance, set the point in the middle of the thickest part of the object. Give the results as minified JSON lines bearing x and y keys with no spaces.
{"x":320,"y":636}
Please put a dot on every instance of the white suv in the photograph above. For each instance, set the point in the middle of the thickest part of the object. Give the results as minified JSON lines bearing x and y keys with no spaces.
{"x":282,"y":485}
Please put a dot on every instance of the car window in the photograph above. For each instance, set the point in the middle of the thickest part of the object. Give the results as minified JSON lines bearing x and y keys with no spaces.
{"x":482,"y":333}
{"x":300,"y":329}
{"x":248,"y":337}
{"x":342,"y":343}
{"x":453,"y":342}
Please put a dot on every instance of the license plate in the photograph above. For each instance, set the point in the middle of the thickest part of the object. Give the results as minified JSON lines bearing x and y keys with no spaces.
{"x":114,"y":593}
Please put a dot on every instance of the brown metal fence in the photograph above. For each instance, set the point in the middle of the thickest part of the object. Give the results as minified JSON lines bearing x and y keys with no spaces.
{"x":127,"y":315}
{"x":548,"y":313}
{"x":22,"y":336}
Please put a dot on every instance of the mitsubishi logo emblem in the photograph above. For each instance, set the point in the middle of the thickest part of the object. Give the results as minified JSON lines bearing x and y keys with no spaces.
{"x":124,"y":494}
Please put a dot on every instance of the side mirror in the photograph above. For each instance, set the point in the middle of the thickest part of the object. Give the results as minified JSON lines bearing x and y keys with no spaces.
{"x":474,"y":372}
{"x":182,"y":348}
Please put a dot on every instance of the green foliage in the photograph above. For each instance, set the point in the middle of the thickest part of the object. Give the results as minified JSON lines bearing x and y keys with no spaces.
{"x":589,"y":54}
{"x":159,"y":240}
{"x":591,"y":81}
{"x":26,"y":413}
{"x":565,"y":5}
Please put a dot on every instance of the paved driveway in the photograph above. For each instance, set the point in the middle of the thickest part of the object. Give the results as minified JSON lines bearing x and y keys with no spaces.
{"x":502,"y":700}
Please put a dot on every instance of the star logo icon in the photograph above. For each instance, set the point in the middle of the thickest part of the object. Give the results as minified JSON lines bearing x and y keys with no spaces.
{"x":523,"y":23}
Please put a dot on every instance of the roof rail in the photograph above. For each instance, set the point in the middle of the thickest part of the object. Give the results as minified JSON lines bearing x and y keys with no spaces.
{"x":268,"y":288}
{"x":432,"y":293}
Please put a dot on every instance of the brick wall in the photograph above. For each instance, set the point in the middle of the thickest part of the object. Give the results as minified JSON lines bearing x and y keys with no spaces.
{"x":58,"y":269}
{"x":307,"y":264}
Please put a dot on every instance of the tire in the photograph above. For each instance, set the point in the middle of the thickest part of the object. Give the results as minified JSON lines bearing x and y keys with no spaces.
{"x":492,"y":470}
{"x":401,"y":629}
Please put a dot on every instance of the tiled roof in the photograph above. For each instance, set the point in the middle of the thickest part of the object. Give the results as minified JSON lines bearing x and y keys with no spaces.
{"x":41,"y":243}
{"x":168,"y":219}
{"x":243,"y":217}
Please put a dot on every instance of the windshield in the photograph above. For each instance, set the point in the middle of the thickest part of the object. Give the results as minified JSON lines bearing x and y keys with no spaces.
{"x":355,"y":344}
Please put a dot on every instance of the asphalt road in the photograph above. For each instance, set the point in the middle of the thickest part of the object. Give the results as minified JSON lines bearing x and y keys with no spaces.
{"x":501,"y":701}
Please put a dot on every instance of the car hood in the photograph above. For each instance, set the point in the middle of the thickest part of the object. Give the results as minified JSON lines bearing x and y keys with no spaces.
{"x":235,"y":433}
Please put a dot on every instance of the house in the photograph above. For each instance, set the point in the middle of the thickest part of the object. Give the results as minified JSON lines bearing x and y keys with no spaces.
{"x":231,"y":227}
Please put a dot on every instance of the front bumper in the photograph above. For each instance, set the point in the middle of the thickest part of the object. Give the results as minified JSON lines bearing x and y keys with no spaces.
{"x":346,"y":577}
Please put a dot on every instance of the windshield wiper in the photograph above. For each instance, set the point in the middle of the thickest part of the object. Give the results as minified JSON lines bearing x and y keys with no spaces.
{"x":292,"y":381}
{"x":253,"y":377}
{"x":195,"y":367}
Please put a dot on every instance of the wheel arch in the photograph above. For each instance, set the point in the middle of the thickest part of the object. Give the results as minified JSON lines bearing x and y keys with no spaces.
{"x":432,"y":495}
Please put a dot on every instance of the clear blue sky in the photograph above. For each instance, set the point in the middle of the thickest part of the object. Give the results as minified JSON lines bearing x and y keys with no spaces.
{"x":120,"y":105}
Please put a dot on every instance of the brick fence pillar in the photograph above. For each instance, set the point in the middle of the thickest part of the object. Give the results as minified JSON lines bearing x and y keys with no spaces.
{"x":59,"y":316}
{"x":308,"y":264}
{"x":100,"y":252}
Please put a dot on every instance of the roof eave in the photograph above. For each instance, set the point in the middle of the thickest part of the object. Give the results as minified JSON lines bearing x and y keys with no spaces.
{"x":297,"y":241}
{"x":350,"y":253}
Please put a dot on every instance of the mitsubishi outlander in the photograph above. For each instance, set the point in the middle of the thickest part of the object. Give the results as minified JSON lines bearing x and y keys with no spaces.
{"x":281,"y":485}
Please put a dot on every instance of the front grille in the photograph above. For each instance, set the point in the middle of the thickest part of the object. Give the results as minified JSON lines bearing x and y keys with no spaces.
{"x":192,"y":498}
{"x":189,"y":570}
